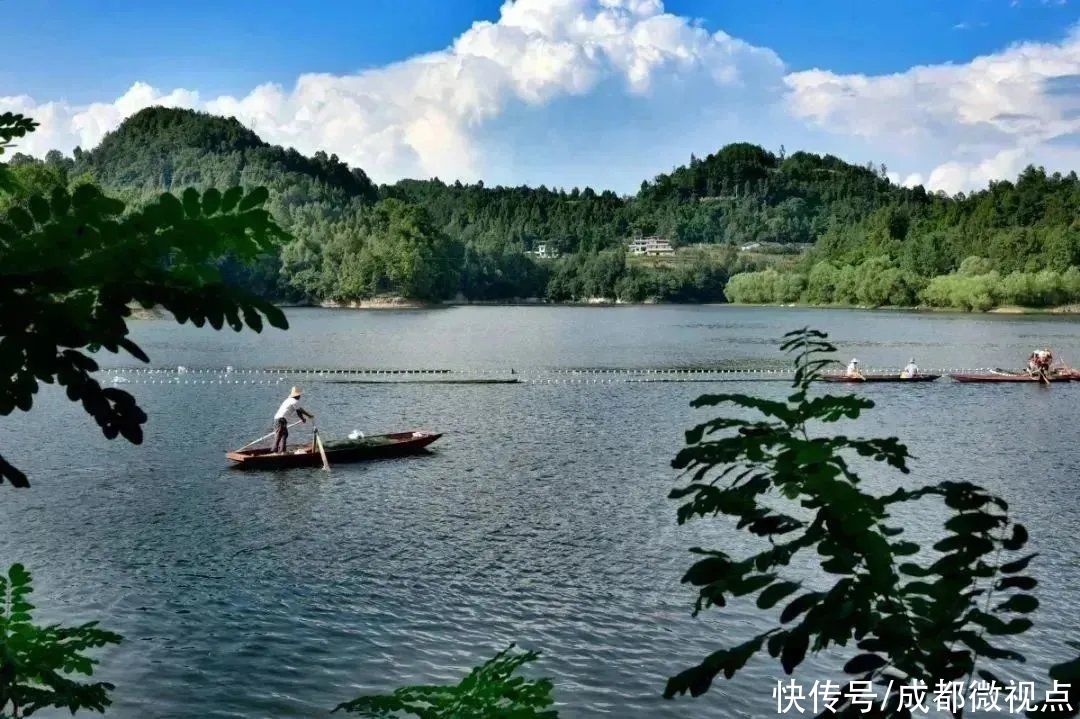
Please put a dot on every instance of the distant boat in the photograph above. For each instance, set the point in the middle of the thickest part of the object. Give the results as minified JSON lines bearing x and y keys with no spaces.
{"x":879,"y":378}
{"x":376,"y":446}
{"x":1009,"y":377}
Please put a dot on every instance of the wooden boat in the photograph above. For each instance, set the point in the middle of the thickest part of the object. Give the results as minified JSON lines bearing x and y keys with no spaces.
{"x":878,"y":378}
{"x":376,"y":446}
{"x":1059,"y":374}
{"x":1007,"y":377}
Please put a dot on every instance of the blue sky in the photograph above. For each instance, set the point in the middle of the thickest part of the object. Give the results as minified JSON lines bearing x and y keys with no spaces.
{"x":77,"y":50}
{"x":587,"y":119}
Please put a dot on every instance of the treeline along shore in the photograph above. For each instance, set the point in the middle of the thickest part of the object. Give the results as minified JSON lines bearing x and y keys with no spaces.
{"x":743,"y":225}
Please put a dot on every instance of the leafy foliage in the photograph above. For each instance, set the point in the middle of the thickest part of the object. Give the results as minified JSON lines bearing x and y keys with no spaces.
{"x":490,"y":691}
{"x":396,"y":249}
{"x":1067,"y":673}
{"x":911,"y":614}
{"x":879,"y":281}
{"x":36,"y":662}
{"x":12,"y":126}
{"x":71,"y":264}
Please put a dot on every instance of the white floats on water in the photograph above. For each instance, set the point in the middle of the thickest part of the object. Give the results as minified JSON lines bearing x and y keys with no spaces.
{"x":276,"y":375}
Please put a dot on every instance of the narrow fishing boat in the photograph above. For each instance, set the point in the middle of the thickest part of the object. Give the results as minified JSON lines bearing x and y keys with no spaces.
{"x":1004,"y":377}
{"x":376,"y":446}
{"x":879,"y":378}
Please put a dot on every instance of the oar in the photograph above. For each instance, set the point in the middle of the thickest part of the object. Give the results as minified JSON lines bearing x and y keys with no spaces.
{"x":322,"y":451}
{"x":266,"y":436}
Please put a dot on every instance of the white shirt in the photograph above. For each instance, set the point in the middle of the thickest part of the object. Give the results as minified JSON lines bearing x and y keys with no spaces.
{"x":853,"y":368}
{"x":911,"y":369}
{"x":291,"y":403}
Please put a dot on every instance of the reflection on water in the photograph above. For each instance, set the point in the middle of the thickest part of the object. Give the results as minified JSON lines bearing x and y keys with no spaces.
{"x":540,"y":517}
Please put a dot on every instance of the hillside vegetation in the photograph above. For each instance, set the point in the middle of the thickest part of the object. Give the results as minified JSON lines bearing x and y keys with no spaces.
{"x":873,"y":242}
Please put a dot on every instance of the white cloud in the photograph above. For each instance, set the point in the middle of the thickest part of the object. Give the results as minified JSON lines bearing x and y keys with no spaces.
{"x":64,"y":126}
{"x":420,"y":117}
{"x":982,"y":120}
{"x":488,"y":105}
{"x":953,"y":176}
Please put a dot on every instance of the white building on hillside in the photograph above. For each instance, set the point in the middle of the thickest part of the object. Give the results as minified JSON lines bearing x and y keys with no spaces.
{"x":651,"y":246}
{"x":544,"y":251}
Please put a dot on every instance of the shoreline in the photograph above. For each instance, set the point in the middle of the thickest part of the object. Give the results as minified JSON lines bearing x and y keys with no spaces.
{"x":1017,"y":310}
{"x":1071,"y":309}
{"x":398,"y":303}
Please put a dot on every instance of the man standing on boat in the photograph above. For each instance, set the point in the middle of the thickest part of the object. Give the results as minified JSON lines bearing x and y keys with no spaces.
{"x":1040,"y":362}
{"x":853,"y":370}
{"x":281,"y":421}
{"x":912,"y":370}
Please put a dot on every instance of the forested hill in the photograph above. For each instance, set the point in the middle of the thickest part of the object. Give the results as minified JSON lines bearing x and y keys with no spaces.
{"x":739,"y":195}
{"x":521,"y":217}
{"x":166,"y":149}
{"x":431,"y":240}
{"x":744,"y":193}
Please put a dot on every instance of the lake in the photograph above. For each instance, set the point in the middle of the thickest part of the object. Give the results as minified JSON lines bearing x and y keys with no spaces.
{"x":540,"y":517}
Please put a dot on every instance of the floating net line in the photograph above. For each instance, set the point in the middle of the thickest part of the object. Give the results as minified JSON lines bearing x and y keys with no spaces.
{"x":229,"y":375}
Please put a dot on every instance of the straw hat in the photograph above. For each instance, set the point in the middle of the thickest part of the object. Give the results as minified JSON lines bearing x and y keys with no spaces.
{"x":295,"y":392}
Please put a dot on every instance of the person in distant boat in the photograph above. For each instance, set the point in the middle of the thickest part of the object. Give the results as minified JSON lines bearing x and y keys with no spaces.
{"x":853,"y":369}
{"x":281,"y":419}
{"x":911,"y":370}
{"x":1040,"y":361}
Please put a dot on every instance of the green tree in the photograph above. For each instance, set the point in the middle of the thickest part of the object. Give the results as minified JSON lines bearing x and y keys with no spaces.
{"x":1062,"y":247}
{"x":974,"y":266}
{"x":1070,"y":282}
{"x":928,"y":254}
{"x":490,"y":691}
{"x":821,"y":283}
{"x":601,"y":273}
{"x":880,"y":283}
{"x":788,"y":287}
{"x":12,"y":127}
{"x":409,"y":255}
{"x":847,"y":285}
{"x":753,"y":287}
{"x":966,"y":292}
{"x":36,"y":663}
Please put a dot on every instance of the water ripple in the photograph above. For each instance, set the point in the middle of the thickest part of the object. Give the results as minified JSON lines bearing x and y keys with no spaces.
{"x":541,"y":518}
